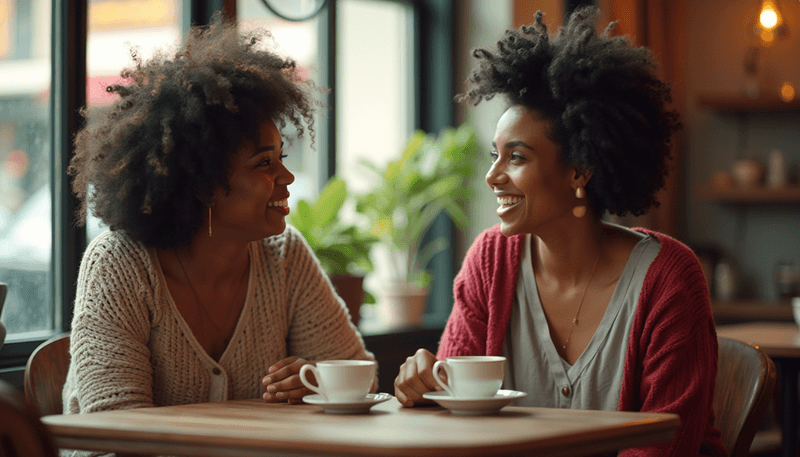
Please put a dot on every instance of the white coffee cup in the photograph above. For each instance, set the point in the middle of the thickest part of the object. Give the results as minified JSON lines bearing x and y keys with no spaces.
{"x":471,"y":377}
{"x":796,"y":310}
{"x":341,"y":380}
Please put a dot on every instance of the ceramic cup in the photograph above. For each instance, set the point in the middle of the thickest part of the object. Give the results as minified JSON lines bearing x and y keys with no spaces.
{"x":796,"y":309}
{"x":341,"y":380}
{"x":471,"y":377}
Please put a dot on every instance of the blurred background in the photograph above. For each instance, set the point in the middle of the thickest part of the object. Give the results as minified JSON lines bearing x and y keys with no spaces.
{"x":393,"y":66}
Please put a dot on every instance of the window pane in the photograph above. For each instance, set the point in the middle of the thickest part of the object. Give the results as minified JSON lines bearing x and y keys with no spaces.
{"x":302,"y":41}
{"x":374,"y":84}
{"x":115,"y":28}
{"x":25,"y":165}
{"x":375,"y":96}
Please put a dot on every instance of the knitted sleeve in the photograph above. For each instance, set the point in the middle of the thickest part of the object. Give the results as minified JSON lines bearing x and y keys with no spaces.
{"x":676,"y":353}
{"x":467,"y":327}
{"x":110,"y":367}
{"x":319,"y":323}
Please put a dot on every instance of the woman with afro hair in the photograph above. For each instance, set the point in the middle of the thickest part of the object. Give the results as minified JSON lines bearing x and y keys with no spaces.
{"x":199,"y":291}
{"x":588,"y":314}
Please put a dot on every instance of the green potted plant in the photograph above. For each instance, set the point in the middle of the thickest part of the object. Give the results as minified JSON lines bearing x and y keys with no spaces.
{"x":343,"y":249}
{"x":429,"y":178}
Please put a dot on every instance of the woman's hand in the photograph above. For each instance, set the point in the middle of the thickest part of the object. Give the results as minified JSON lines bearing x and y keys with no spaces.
{"x":416,"y":378}
{"x":283,"y":381}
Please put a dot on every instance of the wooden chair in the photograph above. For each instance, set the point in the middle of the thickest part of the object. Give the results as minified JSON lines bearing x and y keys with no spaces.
{"x":46,"y":373}
{"x":745,"y":381}
{"x":22,"y":434}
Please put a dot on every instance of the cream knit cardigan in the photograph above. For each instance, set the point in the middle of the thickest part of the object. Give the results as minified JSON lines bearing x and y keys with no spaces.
{"x":131,"y":348}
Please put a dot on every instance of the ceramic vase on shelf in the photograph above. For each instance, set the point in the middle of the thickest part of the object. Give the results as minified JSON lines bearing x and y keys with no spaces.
{"x":776,"y":169}
{"x":787,"y":280}
{"x":724,"y":281}
{"x":747,"y":173}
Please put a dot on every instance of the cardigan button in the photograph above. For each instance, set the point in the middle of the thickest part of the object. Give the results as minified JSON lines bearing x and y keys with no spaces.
{"x":565,"y":391}
{"x":217,"y":371}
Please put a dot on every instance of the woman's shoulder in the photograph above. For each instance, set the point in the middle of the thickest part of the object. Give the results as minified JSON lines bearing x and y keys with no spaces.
{"x":675,"y":282}
{"x":672,"y":252}
{"x":114,"y":246}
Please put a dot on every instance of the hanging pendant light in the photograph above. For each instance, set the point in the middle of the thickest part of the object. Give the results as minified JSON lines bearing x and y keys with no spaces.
{"x":769,"y":23}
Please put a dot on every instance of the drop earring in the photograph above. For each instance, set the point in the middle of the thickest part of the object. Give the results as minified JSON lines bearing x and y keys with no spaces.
{"x":209,"y":220}
{"x":579,"y":211}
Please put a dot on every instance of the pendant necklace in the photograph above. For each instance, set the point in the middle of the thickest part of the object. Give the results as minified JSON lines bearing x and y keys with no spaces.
{"x":586,"y":289}
{"x":199,"y":304}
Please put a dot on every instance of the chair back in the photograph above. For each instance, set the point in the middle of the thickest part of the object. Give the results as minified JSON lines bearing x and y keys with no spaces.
{"x":46,"y":373}
{"x":22,"y":434}
{"x":745,"y":380}
{"x":3,"y":291}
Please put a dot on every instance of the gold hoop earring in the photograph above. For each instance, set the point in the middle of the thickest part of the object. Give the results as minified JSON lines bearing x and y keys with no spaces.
{"x":579,"y":211}
{"x":209,"y":220}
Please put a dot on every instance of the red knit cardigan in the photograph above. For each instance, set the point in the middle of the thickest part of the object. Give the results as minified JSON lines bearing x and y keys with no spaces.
{"x":671,"y":359}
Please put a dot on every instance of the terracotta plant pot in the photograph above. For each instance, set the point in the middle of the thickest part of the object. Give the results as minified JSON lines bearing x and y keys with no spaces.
{"x":402,"y":305}
{"x":351,"y":289}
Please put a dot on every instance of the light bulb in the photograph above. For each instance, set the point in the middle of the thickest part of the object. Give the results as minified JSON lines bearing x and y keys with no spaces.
{"x":768,"y":17}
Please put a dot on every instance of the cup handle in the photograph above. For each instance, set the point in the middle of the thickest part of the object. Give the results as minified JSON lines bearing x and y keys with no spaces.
{"x":320,"y":390}
{"x":443,"y":364}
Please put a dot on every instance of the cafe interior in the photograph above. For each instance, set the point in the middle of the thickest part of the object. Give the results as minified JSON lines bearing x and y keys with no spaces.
{"x":389,"y":71}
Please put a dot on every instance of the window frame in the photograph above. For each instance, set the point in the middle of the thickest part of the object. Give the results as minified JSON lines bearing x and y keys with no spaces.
{"x":69,"y":34}
{"x":434,"y":111}
{"x":434,"y":25}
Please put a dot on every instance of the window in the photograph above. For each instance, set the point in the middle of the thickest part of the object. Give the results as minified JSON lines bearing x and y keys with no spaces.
{"x":374,"y":87}
{"x":115,"y":28}
{"x":305,"y":42}
{"x":48,"y":48}
{"x":388,"y":77}
{"x":25,"y":167}
{"x":376,"y":96}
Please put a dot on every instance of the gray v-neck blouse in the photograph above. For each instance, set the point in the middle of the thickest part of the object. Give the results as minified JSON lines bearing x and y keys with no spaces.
{"x":534,"y":366}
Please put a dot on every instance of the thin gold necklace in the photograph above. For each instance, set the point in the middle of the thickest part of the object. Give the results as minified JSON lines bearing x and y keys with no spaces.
{"x":586,"y":289}
{"x":199,"y":304}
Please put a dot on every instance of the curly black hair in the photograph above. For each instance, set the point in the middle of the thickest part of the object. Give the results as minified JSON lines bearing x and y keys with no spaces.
{"x":150,"y":163}
{"x":608,"y":109}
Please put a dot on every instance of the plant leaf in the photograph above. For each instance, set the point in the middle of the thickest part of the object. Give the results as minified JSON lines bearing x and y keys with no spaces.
{"x":330,"y":201}
{"x":302,"y":217}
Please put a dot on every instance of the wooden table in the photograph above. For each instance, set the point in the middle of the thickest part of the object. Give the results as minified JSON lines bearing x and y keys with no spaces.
{"x":780,"y":341}
{"x":252,"y":427}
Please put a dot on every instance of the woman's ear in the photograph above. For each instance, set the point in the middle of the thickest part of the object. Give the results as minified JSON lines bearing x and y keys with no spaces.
{"x":206,"y":200}
{"x":579,"y":181}
{"x":581,"y":178}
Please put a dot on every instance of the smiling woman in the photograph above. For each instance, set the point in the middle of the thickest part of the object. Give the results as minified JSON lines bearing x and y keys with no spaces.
{"x":199,"y":291}
{"x":588,"y":315}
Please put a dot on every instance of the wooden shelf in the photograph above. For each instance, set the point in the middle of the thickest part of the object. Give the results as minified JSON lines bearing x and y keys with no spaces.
{"x":734,"y":103}
{"x":751,"y":310}
{"x":789,"y":194}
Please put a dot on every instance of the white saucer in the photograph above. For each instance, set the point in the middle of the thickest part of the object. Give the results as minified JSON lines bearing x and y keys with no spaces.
{"x":475,"y":407}
{"x":361,"y":406}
